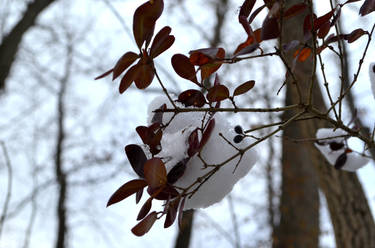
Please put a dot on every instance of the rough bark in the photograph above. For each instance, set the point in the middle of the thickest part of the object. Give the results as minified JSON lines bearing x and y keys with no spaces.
{"x":10,"y":43}
{"x":299,"y":203}
{"x":350,"y":214}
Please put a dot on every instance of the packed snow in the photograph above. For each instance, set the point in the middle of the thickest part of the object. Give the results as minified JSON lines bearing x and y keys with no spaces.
{"x":174,"y":149}
{"x":335,"y":146}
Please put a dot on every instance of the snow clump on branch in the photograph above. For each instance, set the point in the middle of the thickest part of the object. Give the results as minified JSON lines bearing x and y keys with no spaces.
{"x":332,"y":144}
{"x":216,"y":151}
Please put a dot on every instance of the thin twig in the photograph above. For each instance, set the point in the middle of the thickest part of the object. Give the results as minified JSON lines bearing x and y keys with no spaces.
{"x":9,"y":186}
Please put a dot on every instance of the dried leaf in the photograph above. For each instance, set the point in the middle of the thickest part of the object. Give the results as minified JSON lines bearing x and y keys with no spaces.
{"x":184,"y":68}
{"x":155,"y":172}
{"x":123,"y":63}
{"x":126,"y":190}
{"x":217,"y":93}
{"x":303,"y":54}
{"x":137,"y":158}
{"x":145,"y":225}
{"x":243,"y":88}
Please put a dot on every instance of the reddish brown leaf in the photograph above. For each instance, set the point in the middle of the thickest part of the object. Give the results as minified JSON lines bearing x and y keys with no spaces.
{"x":243,"y":88}
{"x":193,"y":142}
{"x":246,"y":8}
{"x":155,"y":173}
{"x":126,"y":190}
{"x":177,"y":171}
{"x":165,"y":192}
{"x":192,"y":98}
{"x":209,"y":60}
{"x":144,"y":20}
{"x":137,"y":158}
{"x":145,"y":73}
{"x":162,"y":42}
{"x":128,"y":78}
{"x":123,"y":63}
{"x":323,"y":19}
{"x":207,"y":133}
{"x":295,"y":10}
{"x":104,"y":74}
{"x":324,"y":29}
{"x":367,"y":7}
{"x":180,"y":213}
{"x":138,"y":196}
{"x":184,"y":68}
{"x":145,"y":209}
{"x":145,"y":225}
{"x":270,"y":28}
{"x":255,"y":13}
{"x":171,"y":212}
{"x":217,"y":93}
{"x":250,"y":40}
{"x":354,"y":35}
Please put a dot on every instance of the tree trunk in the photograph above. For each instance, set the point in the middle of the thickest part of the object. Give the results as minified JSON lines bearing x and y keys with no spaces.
{"x":299,"y":203}
{"x":350,"y":214}
{"x":10,"y":43}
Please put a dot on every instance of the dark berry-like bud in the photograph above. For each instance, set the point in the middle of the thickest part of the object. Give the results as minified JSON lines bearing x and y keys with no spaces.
{"x":335,"y":146}
{"x":340,"y":161}
{"x":238,"y":138}
{"x":238,"y":129}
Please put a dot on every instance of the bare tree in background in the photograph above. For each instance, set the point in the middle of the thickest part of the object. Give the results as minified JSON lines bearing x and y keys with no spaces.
{"x":10,"y":43}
